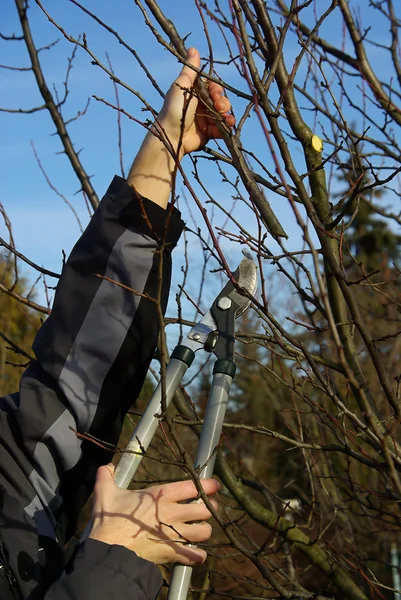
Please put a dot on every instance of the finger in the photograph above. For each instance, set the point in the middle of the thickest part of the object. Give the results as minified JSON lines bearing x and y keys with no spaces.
{"x":104,"y":489}
{"x":194,"y":511}
{"x":215,"y":90}
{"x":230,"y":120}
{"x":177,"y":551}
{"x":222,"y":105}
{"x":104,"y":479}
{"x":186,"y":490}
{"x":188,"y":556}
{"x":195,"y":532}
{"x":220,"y":101}
{"x":105,"y":473}
{"x":212,"y":130}
{"x":187,"y":76}
{"x":193,"y":557}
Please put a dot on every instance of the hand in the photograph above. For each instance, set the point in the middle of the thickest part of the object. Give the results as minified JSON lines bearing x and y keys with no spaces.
{"x":151,"y":522}
{"x":200,"y":125}
{"x":152,"y":172}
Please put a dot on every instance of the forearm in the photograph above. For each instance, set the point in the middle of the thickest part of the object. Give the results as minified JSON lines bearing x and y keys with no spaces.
{"x":153,"y":171}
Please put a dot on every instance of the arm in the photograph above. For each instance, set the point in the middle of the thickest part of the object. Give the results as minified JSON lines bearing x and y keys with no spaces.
{"x":95,"y":348}
{"x":154,"y":178}
{"x":99,"y":340}
{"x":92,"y":355}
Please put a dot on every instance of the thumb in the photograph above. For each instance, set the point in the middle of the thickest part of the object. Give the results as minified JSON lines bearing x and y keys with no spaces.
{"x":105,"y":477}
{"x":104,"y":490}
{"x":187,"y":76}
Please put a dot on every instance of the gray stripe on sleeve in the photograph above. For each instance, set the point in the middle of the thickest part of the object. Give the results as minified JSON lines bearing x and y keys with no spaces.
{"x":88,"y":363}
{"x":44,"y":521}
{"x":43,"y":504}
{"x":60,"y":437}
{"x":106,"y":325}
{"x":47,"y":496}
{"x":44,"y":478}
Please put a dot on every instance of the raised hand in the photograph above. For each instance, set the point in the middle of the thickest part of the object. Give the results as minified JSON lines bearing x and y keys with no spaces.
{"x":183,"y":112}
{"x":186,"y":123}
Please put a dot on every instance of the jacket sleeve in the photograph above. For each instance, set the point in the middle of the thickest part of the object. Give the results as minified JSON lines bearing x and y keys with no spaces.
{"x":102,"y":571}
{"x":94,"y":350}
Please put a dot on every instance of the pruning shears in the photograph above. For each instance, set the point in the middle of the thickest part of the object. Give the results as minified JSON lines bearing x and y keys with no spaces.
{"x":214,"y":333}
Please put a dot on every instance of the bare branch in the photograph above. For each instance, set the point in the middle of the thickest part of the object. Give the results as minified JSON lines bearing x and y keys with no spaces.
{"x":52,"y":108}
{"x":55,"y":190}
{"x":25,"y":301}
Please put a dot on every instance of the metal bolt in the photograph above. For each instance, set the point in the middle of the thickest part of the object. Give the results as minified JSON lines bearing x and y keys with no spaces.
{"x":196,"y":336}
{"x":224,"y":303}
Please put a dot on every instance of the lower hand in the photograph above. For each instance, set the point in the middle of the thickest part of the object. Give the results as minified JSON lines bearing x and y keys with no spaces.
{"x":151,"y":522}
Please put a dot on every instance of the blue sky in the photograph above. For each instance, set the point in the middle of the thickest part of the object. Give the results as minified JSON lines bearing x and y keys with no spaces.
{"x":42,"y":224}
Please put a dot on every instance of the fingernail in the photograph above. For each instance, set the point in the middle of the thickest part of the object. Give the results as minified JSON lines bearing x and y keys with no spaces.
{"x":191,"y":52}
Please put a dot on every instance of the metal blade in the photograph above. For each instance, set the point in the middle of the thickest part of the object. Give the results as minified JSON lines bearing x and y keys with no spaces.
{"x":246,"y":277}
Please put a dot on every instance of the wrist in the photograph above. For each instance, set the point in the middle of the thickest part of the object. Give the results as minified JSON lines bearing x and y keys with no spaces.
{"x":153,"y":171}
{"x":168,"y":136}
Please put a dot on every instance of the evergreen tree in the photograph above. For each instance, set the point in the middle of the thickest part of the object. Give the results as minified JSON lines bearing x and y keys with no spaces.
{"x":19,"y":324}
{"x":373,"y":244}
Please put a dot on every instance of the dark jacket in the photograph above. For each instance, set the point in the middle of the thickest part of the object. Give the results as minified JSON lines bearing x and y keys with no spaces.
{"x":92,"y":354}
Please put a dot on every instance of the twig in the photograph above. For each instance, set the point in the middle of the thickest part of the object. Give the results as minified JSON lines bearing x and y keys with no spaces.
{"x":52,"y":108}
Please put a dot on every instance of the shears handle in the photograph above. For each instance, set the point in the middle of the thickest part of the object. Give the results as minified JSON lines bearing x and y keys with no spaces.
{"x":223,"y":375}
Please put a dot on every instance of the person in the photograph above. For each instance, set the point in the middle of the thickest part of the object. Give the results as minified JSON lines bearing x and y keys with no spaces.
{"x":92,"y":355}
